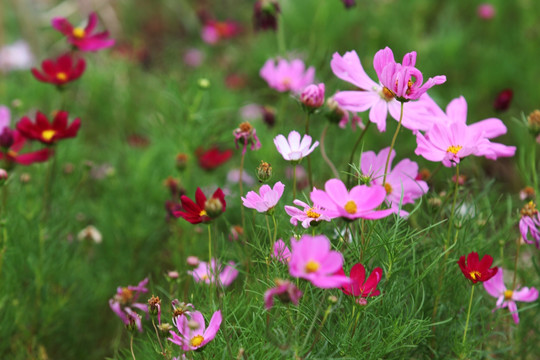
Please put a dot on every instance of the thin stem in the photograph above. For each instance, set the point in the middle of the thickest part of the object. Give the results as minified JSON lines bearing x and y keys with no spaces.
{"x":392,"y":144}
{"x":158,"y":339}
{"x":209,"y":246}
{"x":268,"y":228}
{"x":451,"y":220}
{"x":275,"y":227}
{"x":240,"y":183}
{"x":49,"y":184}
{"x":355,"y":147}
{"x":516,"y":263}
{"x":280,"y":36}
{"x":468,"y":316}
{"x":131,"y":347}
{"x":294,"y":181}
{"x":310,"y":176}
{"x":323,"y":152}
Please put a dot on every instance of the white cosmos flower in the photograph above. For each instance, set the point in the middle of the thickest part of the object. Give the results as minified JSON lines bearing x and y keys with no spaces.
{"x":294,"y":148}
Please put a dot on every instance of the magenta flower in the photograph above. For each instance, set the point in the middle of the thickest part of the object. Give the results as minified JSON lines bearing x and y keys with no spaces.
{"x":284,"y":291}
{"x":530,"y":222}
{"x":485,"y":11}
{"x":374,"y":96}
{"x":360,"y":202}
{"x":213,"y":31}
{"x":507,"y":298}
{"x":359,"y":286}
{"x":281,"y":252}
{"x":312,"y":97}
{"x":312,"y":259}
{"x":125,"y":300}
{"x":206,"y":274}
{"x":287,"y":76}
{"x":403,"y":81}
{"x":267,"y":199}
{"x":401,"y":184}
{"x":308,"y":216}
{"x":84,"y":38}
{"x":192,"y":332}
{"x":295,"y":147}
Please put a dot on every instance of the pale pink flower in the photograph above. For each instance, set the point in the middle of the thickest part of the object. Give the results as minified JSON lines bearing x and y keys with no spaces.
{"x":17,"y":56}
{"x":281,"y":252}
{"x":360,"y":202}
{"x":285,"y":291}
{"x":401,"y":184}
{"x":295,"y":147}
{"x":403,"y":80}
{"x":507,"y":298}
{"x":374,"y":97}
{"x":267,"y":198}
{"x":287,"y":76}
{"x":192,"y":333}
{"x":307,"y":216}
{"x":313,"y":96}
{"x":486,"y":11}
{"x":125,"y":300}
{"x":312,"y":259}
{"x":193,"y":57}
{"x":193,"y":260}
{"x":206,"y":274}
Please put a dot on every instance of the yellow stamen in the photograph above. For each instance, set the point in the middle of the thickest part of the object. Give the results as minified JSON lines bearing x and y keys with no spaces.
{"x":12,"y":153}
{"x":350,"y":207}
{"x":125,"y":295}
{"x":203,"y":213}
{"x":454,"y":149}
{"x":47,"y":135}
{"x":61,"y":76}
{"x":475,"y":275}
{"x":388,"y":188}
{"x":79,"y":32}
{"x":286,"y":82}
{"x":196,"y":341}
{"x":508,"y":294}
{"x":387,"y":94}
{"x":312,"y":266}
{"x":312,"y":214}
{"x":529,"y":209}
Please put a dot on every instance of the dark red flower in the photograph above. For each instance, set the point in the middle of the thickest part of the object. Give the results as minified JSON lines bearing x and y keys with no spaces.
{"x":213,"y":157}
{"x":477,"y":270}
{"x":359,"y":286}
{"x":503,"y":100}
{"x":202,"y":210}
{"x":11,"y":155}
{"x":60,"y":71}
{"x":46,"y":132}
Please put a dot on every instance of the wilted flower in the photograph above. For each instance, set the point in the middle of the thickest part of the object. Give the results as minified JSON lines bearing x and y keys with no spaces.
{"x":287,"y":76}
{"x":507,"y":298}
{"x":285,"y":291}
{"x":477,"y":270}
{"x":265,"y":14}
{"x":60,"y":71}
{"x":206,"y":274}
{"x":527,"y":193}
{"x":126,"y":299}
{"x":195,"y":336}
{"x":530,"y":222}
{"x":84,"y":38}
{"x":295,"y":147}
{"x":312,"y":97}
{"x":266,"y":199}
{"x":46,"y":132}
{"x":180,"y":309}
{"x":246,"y":135}
{"x":310,"y":215}
{"x":154,"y":307}
{"x":198,"y":212}
{"x":90,"y":233}
{"x":359,"y":286}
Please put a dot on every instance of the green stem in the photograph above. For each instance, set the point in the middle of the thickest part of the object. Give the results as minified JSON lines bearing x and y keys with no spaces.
{"x":268,"y":228}
{"x":131,"y":347}
{"x":280,"y":36}
{"x":158,"y":339}
{"x":392,"y":143}
{"x":468,"y":316}
{"x":323,"y":152}
{"x":49,"y":179}
{"x":275,"y":227}
{"x":240,"y":183}
{"x":209,"y":246}
{"x":310,"y":177}
{"x":451,"y":220}
{"x":516,"y":263}
{"x":294,"y":182}
{"x":355,"y":147}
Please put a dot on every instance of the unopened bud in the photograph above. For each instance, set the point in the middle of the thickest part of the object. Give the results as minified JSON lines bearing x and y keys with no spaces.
{"x":313,"y":97}
{"x":534,"y":122}
{"x":154,"y":304}
{"x":6,"y":138}
{"x":332,"y":299}
{"x":203,"y":83}
{"x":192,"y":261}
{"x":361,"y":301}
{"x":25,"y":178}
{"x":3,"y":176}
{"x":213,"y":207}
{"x":269,"y":115}
{"x":264,"y":171}
{"x":165,"y":328}
{"x":181,"y":161}
{"x":335,"y":112}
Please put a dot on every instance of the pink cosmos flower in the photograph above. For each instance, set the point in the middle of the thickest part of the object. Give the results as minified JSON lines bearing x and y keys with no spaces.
{"x":401,"y":184}
{"x":313,"y":96}
{"x":214,"y":31}
{"x":374,"y":96}
{"x":206,"y":274}
{"x":295,"y":147}
{"x":360,"y":202}
{"x":312,"y":259}
{"x":287,"y":76}
{"x":192,"y":337}
{"x":530,"y":222}
{"x":126,"y":299}
{"x":308,"y":216}
{"x":285,"y":291}
{"x":404,"y":81}
{"x":281,"y":252}
{"x":267,"y":199}
{"x":507,"y":298}
{"x":359,"y":286}
{"x":486,"y":11}
{"x":84,"y":38}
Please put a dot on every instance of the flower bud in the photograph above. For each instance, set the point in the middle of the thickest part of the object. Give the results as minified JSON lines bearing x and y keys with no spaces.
{"x":181,"y":161}
{"x":349,"y":3}
{"x":533,"y":121}
{"x":313,"y":96}
{"x":269,"y":115}
{"x":6,"y":138}
{"x":192,"y":261}
{"x":165,"y":328}
{"x":173,"y":274}
{"x":527,"y":193}
{"x":154,"y":304}
{"x":264,"y":171}
{"x":332,"y":299}
{"x":3,"y":176}
{"x":213,"y":207}
{"x":203,"y":83}
{"x":265,"y":15}
{"x":335,"y":113}
{"x":503,"y":100}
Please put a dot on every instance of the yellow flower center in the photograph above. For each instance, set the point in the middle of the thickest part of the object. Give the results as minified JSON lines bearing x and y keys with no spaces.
{"x":312,"y":266}
{"x":61,"y":76}
{"x":312,"y":214}
{"x":529,"y":209}
{"x":196,"y":341}
{"x":79,"y":32}
{"x":286,"y":82}
{"x":387,"y":94}
{"x":47,"y":135}
{"x":12,"y":153}
{"x":350,"y":207}
{"x":454,"y":149}
{"x":125,"y":295}
{"x":388,"y":188}
{"x":508,"y":294}
{"x":475,"y":275}
{"x":203,"y":213}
